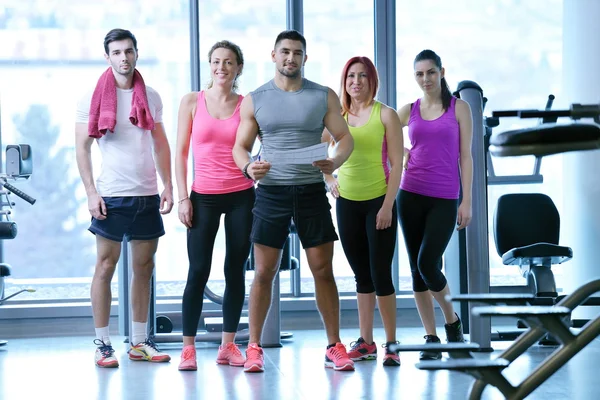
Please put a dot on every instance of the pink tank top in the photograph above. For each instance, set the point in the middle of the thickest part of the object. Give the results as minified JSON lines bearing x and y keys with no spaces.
{"x":215,"y":172}
{"x":433,"y":166}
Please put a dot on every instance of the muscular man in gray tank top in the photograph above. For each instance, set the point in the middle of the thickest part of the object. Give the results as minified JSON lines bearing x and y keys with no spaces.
{"x":289,"y":113}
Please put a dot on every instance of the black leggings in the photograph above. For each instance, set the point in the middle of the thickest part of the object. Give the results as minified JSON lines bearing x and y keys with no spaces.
{"x":427,"y":225}
{"x":369,"y":251}
{"x":207,"y":210}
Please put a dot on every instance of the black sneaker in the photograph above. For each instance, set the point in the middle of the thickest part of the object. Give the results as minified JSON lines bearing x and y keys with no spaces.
{"x":431,"y":355}
{"x":454,"y":332}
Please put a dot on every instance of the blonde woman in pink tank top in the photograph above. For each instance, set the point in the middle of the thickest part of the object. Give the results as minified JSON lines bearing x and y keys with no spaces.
{"x":438,"y":165}
{"x":208,"y":120}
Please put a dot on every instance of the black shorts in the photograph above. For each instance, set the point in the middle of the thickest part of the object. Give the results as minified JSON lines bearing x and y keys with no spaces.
{"x":307,"y":205}
{"x":135,"y":218}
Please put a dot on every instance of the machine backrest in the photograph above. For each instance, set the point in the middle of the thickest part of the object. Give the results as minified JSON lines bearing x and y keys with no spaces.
{"x":522,"y":219}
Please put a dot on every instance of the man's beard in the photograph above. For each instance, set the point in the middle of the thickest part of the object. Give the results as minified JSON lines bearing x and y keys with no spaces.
{"x":290,"y":74}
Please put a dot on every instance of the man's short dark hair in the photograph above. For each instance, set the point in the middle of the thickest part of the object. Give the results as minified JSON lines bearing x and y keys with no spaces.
{"x":291,"y":35}
{"x":119,"y":34}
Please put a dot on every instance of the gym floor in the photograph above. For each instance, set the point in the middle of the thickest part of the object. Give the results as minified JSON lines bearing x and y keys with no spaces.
{"x":64,"y":368}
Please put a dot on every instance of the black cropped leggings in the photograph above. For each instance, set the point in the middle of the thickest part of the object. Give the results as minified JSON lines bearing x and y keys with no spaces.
{"x":427,"y":225}
{"x":207,"y":210}
{"x":369,"y":250}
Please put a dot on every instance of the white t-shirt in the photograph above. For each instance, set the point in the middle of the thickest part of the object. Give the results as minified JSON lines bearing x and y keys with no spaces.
{"x":127,"y":154}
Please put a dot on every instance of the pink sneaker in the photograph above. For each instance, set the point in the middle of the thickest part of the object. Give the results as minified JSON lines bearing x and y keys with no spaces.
{"x":230,"y":354}
{"x":188,"y":358}
{"x":254,"y":359}
{"x":391,"y":358}
{"x":360,"y":350}
{"x":337,"y":358}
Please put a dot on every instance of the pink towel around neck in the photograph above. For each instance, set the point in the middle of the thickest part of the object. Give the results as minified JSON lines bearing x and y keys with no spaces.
{"x":103,"y":108}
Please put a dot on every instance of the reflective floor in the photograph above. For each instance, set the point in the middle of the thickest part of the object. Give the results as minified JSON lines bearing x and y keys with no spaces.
{"x":63,"y":368}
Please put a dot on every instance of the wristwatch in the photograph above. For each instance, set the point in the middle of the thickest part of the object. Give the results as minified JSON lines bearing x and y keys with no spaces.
{"x":245,"y":170}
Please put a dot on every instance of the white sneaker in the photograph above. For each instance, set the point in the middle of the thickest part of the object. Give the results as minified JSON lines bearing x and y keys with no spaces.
{"x":105,"y":355}
{"x":148,"y":351}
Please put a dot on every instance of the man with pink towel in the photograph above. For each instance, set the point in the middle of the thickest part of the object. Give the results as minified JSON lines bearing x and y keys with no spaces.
{"x":124,"y":116}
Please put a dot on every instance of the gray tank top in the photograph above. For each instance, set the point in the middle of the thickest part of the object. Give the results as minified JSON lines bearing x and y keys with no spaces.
{"x":290,"y":121}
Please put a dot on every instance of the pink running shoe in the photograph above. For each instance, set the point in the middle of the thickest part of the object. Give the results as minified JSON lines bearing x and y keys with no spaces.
{"x":188,"y":358}
{"x":254,"y":359}
{"x":337,"y":358}
{"x":391,"y":358}
{"x":360,"y":350}
{"x":230,"y":354}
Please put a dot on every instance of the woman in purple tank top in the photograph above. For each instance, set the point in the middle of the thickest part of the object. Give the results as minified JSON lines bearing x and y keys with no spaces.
{"x":437,"y":166}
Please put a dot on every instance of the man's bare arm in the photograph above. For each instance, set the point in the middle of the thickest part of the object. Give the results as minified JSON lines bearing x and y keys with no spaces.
{"x":338,"y":129}
{"x":162,"y":152}
{"x":162,"y":156}
{"x":246,"y":133}
{"x":83,"y":154}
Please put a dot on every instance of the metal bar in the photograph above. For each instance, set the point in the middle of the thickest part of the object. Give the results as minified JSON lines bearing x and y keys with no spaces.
{"x":124,"y":316}
{"x":385,"y":49}
{"x":195,"y":44}
{"x":515,"y":179}
{"x":559,"y":358}
{"x":384,"y":16}
{"x":537,"y":165}
{"x":478,"y":265}
{"x":295,"y":15}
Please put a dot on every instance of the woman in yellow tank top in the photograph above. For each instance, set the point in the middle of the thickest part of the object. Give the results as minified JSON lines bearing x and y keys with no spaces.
{"x":365,"y":193}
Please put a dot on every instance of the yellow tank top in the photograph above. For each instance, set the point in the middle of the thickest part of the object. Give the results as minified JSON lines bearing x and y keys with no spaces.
{"x":365,"y":174}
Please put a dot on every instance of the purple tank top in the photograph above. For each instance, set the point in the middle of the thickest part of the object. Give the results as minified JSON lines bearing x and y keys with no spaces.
{"x":433,"y":166}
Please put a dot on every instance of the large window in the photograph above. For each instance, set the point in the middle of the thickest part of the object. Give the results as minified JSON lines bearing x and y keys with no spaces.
{"x":335,"y":32}
{"x":253,"y":26}
{"x":513,"y":50}
{"x":52,"y":53}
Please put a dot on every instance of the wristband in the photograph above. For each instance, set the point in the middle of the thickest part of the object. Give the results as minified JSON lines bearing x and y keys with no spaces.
{"x":245,"y":170}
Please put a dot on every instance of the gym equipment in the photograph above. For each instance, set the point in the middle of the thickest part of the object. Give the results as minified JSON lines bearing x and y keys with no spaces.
{"x":547,"y":138}
{"x":542,"y":321}
{"x":18,"y":166}
{"x":470,"y":247}
{"x":526,"y":230}
{"x":533,"y":274}
{"x":160,"y":327}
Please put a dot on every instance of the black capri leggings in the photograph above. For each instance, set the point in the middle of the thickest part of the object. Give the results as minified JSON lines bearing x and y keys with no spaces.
{"x":427,"y":225}
{"x":369,"y":251}
{"x":207,"y":210}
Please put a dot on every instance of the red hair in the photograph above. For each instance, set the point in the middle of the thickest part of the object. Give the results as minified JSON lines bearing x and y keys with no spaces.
{"x":372,"y":78}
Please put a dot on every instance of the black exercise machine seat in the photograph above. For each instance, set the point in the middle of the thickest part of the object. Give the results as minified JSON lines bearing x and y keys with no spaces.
{"x":526,"y":233}
{"x":545,"y":140}
{"x":4,"y":270}
{"x":537,"y":254}
{"x":527,"y":230}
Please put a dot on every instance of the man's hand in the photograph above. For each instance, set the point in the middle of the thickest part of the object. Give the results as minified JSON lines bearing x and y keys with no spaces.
{"x":166,"y":201}
{"x":258,"y":169}
{"x":326,"y":166}
{"x":96,"y":206}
